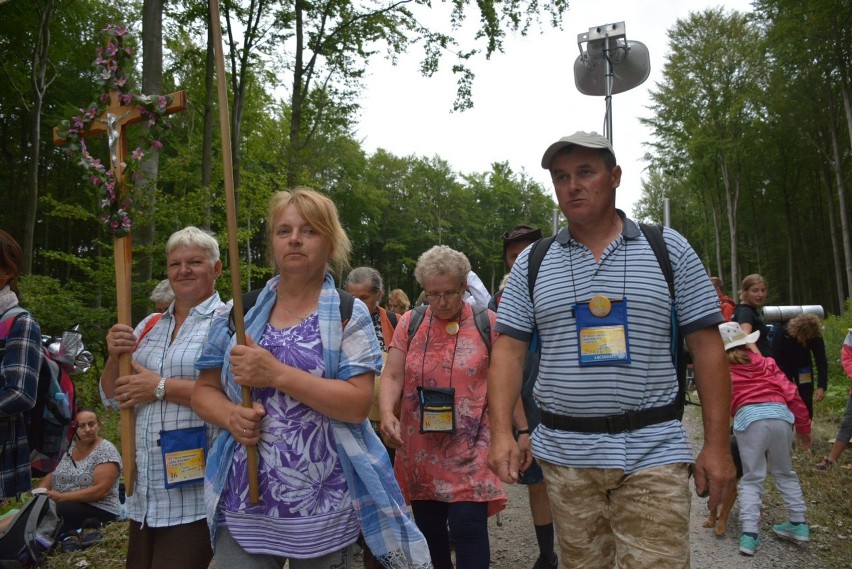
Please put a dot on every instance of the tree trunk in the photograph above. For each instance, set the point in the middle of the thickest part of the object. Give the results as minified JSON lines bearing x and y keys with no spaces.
{"x":847,"y":104}
{"x":209,"y":101}
{"x":296,"y":98}
{"x":841,"y":200}
{"x":835,"y":246}
{"x":145,"y":189}
{"x":40,"y":62}
{"x":718,"y":241}
{"x":732,"y":200}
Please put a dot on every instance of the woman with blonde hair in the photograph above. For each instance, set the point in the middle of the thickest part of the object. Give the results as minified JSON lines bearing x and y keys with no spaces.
{"x":752,"y":295}
{"x":324,"y":475}
{"x":796,"y":349}
{"x":398,"y":301}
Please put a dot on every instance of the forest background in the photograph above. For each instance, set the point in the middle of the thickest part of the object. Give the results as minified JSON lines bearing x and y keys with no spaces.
{"x":752,"y":145}
{"x":752,"y":128}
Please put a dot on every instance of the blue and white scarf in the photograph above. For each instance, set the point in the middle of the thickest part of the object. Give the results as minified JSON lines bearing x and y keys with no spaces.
{"x":388,"y":529}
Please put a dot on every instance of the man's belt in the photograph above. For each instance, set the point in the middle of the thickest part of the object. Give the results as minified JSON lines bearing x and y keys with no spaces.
{"x":611,"y":424}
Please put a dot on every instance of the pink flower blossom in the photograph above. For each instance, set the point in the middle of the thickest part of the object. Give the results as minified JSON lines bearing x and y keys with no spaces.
{"x":137,"y":154}
{"x":125,"y":99}
{"x":156,"y":144}
{"x":162,"y":102}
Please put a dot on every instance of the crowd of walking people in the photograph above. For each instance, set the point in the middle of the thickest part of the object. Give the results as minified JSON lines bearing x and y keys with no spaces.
{"x":387,"y":429}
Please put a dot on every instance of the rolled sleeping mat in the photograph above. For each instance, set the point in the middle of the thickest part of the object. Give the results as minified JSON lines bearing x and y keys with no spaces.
{"x":785,"y":313}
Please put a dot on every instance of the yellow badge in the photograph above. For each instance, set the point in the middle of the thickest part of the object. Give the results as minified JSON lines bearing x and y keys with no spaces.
{"x":453,"y":328}
{"x":600,"y":306}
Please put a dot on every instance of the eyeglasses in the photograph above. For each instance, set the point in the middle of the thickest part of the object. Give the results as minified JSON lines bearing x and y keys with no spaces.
{"x":448,"y":296}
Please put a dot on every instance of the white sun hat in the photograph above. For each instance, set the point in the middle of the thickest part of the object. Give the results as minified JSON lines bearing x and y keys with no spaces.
{"x":733,"y":335}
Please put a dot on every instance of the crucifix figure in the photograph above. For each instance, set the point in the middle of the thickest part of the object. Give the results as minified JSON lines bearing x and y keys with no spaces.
{"x":113,"y":122}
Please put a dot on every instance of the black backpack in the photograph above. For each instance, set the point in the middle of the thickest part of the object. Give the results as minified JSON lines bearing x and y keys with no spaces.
{"x":480,"y":318}
{"x":28,"y":538}
{"x":654,"y":235}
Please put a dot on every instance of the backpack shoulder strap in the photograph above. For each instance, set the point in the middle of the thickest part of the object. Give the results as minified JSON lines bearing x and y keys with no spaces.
{"x":347,"y":301}
{"x":537,"y":253}
{"x":654,"y":235}
{"x":392,"y":317}
{"x":480,"y":319}
{"x":483,"y":324}
{"x":249,"y":300}
{"x":417,"y":315}
{"x":148,"y":325}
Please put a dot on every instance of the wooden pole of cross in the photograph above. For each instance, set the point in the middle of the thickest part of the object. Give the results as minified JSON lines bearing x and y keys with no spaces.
{"x":231,"y":214}
{"x":113,"y":122}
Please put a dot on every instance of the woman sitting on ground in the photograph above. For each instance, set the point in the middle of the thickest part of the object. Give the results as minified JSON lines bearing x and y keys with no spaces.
{"x":85,"y":483}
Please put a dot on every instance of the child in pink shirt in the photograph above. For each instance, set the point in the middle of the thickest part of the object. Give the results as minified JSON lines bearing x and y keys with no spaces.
{"x":765,"y":405}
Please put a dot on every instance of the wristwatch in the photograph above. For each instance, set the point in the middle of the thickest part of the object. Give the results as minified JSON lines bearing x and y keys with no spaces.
{"x":160,"y":392}
{"x":520,"y":432}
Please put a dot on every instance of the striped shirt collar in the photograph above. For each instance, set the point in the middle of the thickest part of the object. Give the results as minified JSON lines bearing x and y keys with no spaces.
{"x":629,"y":230}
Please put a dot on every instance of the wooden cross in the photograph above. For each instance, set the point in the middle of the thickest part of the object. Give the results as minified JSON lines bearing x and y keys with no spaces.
{"x":113,"y":122}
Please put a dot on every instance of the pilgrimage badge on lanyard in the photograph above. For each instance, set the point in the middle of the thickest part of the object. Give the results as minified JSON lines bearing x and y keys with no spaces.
{"x":183,"y":455}
{"x":602,"y":337}
{"x":437,"y":409}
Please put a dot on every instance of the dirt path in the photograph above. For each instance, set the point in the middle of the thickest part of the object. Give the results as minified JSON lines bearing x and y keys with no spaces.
{"x":711,"y":552}
{"x":513,"y":544}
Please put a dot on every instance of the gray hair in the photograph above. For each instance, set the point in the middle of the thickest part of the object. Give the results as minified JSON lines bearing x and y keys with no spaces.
{"x":191,"y":236}
{"x":162,"y":293}
{"x":439,"y":261}
{"x":365,"y":275}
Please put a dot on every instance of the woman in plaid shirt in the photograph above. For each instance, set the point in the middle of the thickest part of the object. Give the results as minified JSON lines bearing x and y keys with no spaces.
{"x":20,"y":362}
{"x":168,"y":529}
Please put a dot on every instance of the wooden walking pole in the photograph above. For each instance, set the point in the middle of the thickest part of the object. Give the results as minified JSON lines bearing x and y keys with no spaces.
{"x":231,"y":214}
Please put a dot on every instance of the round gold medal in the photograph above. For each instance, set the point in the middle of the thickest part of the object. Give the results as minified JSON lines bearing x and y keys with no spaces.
{"x":600,"y":306}
{"x":452,"y":328}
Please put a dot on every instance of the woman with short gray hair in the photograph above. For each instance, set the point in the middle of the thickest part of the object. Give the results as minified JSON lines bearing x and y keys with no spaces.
{"x":439,"y":372}
{"x":440,"y":261}
{"x":162,"y":295}
{"x":168,"y":526}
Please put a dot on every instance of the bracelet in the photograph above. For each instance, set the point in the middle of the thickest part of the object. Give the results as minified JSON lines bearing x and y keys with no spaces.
{"x":520,"y":432}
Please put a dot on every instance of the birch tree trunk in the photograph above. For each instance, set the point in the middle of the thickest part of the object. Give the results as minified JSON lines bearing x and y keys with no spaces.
{"x":39,"y":85}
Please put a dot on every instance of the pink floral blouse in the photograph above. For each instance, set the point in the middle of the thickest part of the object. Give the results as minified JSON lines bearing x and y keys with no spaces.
{"x":441,"y":466}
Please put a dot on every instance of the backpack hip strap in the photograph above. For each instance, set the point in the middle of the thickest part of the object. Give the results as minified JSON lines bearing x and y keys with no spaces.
{"x":612,"y":424}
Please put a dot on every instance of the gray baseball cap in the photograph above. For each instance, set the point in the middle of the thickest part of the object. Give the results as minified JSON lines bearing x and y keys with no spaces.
{"x":579,"y":138}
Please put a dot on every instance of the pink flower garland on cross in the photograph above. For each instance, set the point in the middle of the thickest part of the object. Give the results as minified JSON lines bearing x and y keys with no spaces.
{"x":113,"y":63}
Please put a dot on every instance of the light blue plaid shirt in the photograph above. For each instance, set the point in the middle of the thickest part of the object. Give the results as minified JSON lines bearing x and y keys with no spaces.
{"x":151,"y":503}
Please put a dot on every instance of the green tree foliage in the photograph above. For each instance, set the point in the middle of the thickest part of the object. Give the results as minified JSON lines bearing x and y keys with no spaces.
{"x":393,"y":207}
{"x":751,"y":147}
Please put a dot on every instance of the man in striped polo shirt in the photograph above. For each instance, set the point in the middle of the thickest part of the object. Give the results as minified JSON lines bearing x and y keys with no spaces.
{"x":615,"y":456}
